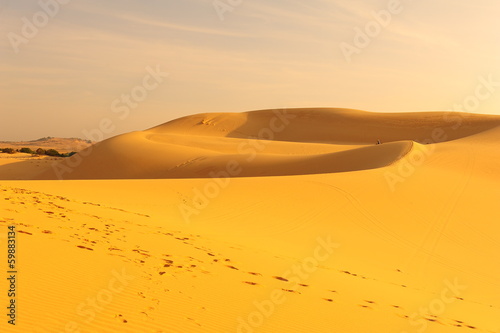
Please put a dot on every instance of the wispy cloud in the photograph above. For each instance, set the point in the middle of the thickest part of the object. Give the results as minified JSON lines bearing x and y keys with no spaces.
{"x":264,"y":53}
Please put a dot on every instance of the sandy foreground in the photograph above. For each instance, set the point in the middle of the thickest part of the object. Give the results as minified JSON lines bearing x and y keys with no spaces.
{"x":269,"y":221}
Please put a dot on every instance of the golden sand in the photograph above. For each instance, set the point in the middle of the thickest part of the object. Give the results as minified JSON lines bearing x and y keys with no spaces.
{"x":269,"y":221}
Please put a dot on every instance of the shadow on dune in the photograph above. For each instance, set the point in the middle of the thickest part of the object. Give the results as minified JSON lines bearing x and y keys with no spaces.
{"x":364,"y":158}
{"x":21,"y":170}
{"x":344,"y":126}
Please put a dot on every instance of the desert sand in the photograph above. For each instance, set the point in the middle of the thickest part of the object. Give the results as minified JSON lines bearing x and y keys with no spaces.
{"x":268,"y":221}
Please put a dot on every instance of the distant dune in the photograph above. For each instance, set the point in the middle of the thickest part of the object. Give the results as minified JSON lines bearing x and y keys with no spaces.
{"x":63,"y":145}
{"x":25,"y":166}
{"x":269,"y":221}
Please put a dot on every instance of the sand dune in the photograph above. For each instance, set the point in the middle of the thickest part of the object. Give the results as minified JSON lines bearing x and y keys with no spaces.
{"x":267,"y":143}
{"x":341,"y":235}
{"x":332,"y":125}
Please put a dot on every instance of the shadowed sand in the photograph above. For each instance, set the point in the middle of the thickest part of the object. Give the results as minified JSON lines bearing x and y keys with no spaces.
{"x":342,"y":235}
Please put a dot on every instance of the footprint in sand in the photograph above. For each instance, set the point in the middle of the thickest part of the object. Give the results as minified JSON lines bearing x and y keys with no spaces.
{"x":168,"y":263}
{"x":251,"y":283}
{"x":84,"y":247}
{"x":120,"y":317}
{"x":280,"y":278}
{"x":291,"y":291}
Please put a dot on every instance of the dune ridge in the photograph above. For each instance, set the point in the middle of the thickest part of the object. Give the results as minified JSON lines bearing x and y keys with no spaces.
{"x":268,"y":143}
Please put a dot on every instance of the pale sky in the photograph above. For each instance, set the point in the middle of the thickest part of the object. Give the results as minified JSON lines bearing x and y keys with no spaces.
{"x":72,"y":70}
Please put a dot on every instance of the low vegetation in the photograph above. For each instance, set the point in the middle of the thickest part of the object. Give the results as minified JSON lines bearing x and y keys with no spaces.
{"x":39,"y":152}
{"x":8,"y":150}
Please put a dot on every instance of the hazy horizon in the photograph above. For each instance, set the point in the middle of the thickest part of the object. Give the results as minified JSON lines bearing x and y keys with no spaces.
{"x":67,"y":65}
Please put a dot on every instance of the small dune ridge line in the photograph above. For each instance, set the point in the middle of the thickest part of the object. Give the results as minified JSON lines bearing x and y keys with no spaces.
{"x":329,"y":220}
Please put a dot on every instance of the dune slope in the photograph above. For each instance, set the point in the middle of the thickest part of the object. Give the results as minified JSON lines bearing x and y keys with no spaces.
{"x":266,"y":143}
{"x":323,"y":232}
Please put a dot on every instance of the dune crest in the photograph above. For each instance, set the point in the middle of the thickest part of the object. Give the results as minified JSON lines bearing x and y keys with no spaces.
{"x":268,"y":143}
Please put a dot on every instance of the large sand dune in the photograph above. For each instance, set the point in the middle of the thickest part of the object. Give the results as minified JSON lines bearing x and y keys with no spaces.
{"x":267,"y":143}
{"x":341,"y":235}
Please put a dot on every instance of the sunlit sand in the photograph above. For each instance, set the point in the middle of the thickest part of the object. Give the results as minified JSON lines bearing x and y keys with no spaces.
{"x":299,"y":220}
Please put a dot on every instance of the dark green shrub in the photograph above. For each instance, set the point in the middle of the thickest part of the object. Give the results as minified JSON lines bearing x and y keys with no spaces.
{"x":9,"y":150}
{"x":52,"y":152}
{"x":26,"y":151}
